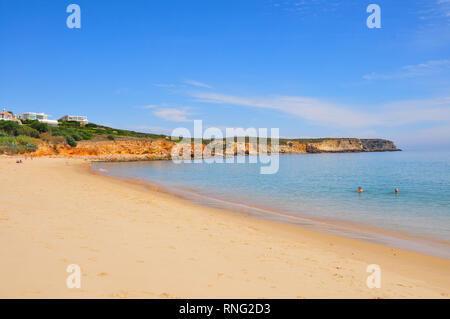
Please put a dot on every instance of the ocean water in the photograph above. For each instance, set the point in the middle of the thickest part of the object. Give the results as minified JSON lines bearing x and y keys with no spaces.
{"x":319,"y":191}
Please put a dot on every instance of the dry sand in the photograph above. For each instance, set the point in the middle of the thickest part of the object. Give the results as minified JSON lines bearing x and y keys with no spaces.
{"x":132,"y":242}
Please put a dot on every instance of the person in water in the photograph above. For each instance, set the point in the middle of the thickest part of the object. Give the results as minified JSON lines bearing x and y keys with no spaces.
{"x":397,"y":191}
{"x":360,"y":190}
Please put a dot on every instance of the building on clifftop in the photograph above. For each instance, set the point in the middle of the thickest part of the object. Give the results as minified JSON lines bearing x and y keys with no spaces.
{"x":41,"y":117}
{"x":6,"y":116}
{"x":80,"y":119}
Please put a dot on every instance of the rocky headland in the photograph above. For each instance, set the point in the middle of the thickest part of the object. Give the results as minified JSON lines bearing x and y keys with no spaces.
{"x":132,"y":149}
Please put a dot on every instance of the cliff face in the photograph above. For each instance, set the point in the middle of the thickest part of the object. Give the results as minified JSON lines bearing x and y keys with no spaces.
{"x":136,"y":148}
{"x":335,"y":146}
{"x":140,"y":149}
{"x":294,"y":148}
{"x":347,"y":145}
{"x":378,"y":145}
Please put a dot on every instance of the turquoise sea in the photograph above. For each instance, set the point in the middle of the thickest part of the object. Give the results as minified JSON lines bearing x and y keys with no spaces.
{"x":319,"y":191}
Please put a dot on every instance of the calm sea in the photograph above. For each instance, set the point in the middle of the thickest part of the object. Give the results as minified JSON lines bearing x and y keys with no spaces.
{"x":319,"y":191}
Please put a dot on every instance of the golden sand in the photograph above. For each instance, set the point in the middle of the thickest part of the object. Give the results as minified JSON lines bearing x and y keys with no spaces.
{"x":133,"y":242}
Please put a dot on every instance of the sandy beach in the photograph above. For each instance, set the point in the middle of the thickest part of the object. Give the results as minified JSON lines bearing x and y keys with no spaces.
{"x":134,"y":242}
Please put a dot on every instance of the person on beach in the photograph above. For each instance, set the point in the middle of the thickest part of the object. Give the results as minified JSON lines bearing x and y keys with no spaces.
{"x":360,"y":190}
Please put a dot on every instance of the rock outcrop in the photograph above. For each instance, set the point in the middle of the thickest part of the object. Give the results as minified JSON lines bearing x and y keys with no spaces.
{"x":335,"y":146}
{"x":138,"y":149}
{"x":148,"y":149}
{"x":378,"y":145}
{"x":347,"y":145}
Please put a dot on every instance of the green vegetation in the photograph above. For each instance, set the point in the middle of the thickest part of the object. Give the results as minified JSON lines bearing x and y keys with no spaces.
{"x":41,"y":127}
{"x":89,"y":131}
{"x":71,"y":141}
{"x":17,"y":144}
{"x":27,"y":131}
{"x":17,"y":139}
{"x":12,"y":134}
{"x":104,"y":130}
{"x":11,"y":128}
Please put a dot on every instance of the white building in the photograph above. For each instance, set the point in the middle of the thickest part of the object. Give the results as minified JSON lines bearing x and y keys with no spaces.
{"x":41,"y":117}
{"x":81,"y":119}
{"x":6,"y":116}
{"x":33,"y":116}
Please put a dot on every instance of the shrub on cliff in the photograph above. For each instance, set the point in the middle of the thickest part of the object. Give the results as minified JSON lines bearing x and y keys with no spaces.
{"x":76,"y":136}
{"x":111,"y":137}
{"x":17,"y":145}
{"x":27,"y":131}
{"x":25,"y":140}
{"x":71,"y":141}
{"x":5,"y":140}
{"x":70,"y":124}
{"x":14,"y":129}
{"x":9,"y":127}
{"x":41,"y":127}
{"x":86,"y":135}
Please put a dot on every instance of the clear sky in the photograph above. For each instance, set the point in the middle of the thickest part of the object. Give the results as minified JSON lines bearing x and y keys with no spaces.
{"x":311,"y":68}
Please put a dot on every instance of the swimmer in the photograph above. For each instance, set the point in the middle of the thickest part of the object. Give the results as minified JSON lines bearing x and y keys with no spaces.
{"x":360,"y":190}
{"x":397,"y":191}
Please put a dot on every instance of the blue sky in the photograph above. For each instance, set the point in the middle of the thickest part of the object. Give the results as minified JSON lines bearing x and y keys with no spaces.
{"x":311,"y":68}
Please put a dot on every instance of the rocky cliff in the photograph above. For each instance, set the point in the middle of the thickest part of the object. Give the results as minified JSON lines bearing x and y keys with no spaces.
{"x":148,"y":149}
{"x":378,"y":145}
{"x":112,"y":150}
{"x":347,"y":145}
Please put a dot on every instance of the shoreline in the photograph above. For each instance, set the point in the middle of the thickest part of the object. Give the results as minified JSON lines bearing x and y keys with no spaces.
{"x":132,"y":242}
{"x":353,"y":230}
